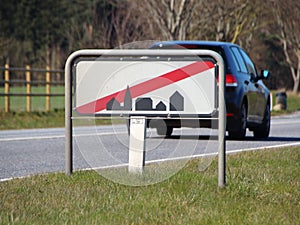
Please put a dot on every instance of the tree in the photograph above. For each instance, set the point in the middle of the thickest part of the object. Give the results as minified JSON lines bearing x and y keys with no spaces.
{"x":171,"y":17}
{"x":36,"y":28}
{"x":43,"y":33}
{"x":90,"y":25}
{"x":226,"y":20}
{"x":288,"y":21}
{"x":129,"y":25}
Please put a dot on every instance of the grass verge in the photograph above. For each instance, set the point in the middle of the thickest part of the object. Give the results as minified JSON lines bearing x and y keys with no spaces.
{"x":262,"y":188}
{"x":24,"y":120}
{"x":56,"y":118}
{"x":293,"y":103}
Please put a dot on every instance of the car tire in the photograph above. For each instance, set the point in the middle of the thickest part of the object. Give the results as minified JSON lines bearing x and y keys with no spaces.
{"x":240,"y":133}
{"x":165,"y":131}
{"x":128,"y":126}
{"x":263,"y":130}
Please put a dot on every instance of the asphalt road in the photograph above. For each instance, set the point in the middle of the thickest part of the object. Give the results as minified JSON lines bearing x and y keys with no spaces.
{"x":35,"y":151}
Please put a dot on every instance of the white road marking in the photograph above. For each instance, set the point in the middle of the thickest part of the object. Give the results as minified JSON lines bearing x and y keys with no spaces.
{"x":198,"y":156}
{"x":31,"y":138}
{"x":285,"y":122}
{"x":274,"y":122}
{"x":57,"y":136}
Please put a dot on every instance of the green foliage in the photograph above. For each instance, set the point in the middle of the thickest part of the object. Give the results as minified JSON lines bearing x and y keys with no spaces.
{"x":23,"y":120}
{"x":42,"y":30}
{"x":262,"y":188}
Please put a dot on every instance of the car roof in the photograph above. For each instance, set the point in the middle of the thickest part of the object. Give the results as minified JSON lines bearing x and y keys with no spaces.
{"x":191,"y":42}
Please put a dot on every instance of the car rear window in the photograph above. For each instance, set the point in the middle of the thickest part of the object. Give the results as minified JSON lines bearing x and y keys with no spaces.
{"x":239,"y":60}
{"x":217,"y":49}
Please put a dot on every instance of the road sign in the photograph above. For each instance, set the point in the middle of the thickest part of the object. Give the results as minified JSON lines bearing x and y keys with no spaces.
{"x":147,"y":86}
{"x":145,"y":83}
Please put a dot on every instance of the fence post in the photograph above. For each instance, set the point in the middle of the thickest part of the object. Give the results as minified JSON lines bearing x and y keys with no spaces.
{"x":6,"y":88}
{"x":48,"y":88}
{"x":28,"y":88}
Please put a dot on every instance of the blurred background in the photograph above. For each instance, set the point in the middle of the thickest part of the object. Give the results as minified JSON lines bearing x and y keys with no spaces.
{"x":41,"y":34}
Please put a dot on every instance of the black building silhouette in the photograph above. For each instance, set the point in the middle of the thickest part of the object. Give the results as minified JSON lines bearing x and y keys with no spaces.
{"x":176,"y":102}
{"x":113,"y":104}
{"x":143,"y":104}
{"x":161,"y":106}
{"x":127,"y":99}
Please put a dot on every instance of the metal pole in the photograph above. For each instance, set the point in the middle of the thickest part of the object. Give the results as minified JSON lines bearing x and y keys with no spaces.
{"x":222,"y":126}
{"x":68,"y":119}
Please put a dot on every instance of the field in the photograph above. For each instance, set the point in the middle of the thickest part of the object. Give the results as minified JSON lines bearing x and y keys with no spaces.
{"x":262,"y":188}
{"x":18,"y":104}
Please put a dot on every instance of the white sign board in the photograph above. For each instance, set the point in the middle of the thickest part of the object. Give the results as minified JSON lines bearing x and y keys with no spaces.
{"x":145,"y":87}
{"x":138,"y":83}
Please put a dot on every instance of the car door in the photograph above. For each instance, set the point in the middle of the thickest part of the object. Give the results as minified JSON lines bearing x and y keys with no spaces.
{"x":257,"y":91}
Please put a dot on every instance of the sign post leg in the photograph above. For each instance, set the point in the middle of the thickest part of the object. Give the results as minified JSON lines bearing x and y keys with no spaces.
{"x":137,"y":144}
{"x":222,"y":128}
{"x":68,"y":120}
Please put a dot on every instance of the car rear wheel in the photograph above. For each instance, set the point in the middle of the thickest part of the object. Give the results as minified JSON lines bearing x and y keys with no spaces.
{"x":165,"y":131}
{"x":240,"y":133}
{"x":128,"y":126}
{"x":263,"y":130}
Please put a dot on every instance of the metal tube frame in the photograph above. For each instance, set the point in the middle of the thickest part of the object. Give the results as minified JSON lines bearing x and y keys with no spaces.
{"x":143,"y":52}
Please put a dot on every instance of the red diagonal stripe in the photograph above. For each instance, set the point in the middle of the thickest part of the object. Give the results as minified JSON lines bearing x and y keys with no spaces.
{"x":147,"y":86}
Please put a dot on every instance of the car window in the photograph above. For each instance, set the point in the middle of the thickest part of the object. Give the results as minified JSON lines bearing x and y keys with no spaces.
{"x":236,"y":64}
{"x":239,"y":60}
{"x":217,"y":49}
{"x":249,"y":63}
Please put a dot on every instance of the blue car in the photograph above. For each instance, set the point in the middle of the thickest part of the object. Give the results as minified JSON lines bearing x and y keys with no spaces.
{"x":247,"y":98}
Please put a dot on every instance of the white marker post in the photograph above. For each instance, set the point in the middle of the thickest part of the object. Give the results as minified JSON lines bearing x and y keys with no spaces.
{"x":137,"y":144}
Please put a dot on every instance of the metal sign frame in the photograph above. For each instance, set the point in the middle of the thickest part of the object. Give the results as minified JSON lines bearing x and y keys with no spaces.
{"x":95,"y":53}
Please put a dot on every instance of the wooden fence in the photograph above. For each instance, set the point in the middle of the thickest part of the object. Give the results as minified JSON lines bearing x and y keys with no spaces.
{"x":27,"y":74}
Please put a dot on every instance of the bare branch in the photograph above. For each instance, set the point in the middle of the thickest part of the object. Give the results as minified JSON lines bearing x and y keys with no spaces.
{"x":289,"y":36}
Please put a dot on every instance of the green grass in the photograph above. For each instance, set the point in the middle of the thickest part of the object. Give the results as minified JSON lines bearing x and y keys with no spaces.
{"x":39,"y":119}
{"x":262,"y":188}
{"x":24,"y":120}
{"x":18,"y":104}
{"x":293,"y":103}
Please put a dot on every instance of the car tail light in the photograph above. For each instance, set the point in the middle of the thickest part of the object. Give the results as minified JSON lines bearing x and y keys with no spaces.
{"x":231,"y":80}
